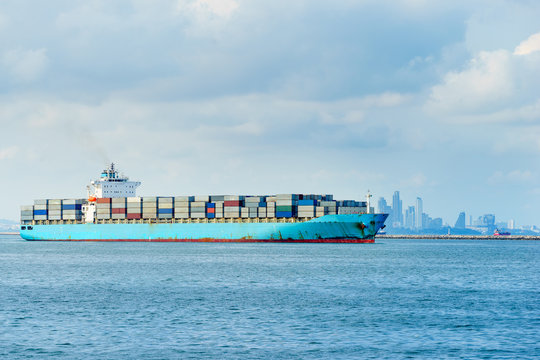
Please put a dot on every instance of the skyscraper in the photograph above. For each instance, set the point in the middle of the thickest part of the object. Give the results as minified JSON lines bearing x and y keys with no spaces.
{"x":397,"y":212}
{"x":419,"y":211}
{"x":410,"y":218}
{"x":382,"y":206}
{"x":460,"y":223}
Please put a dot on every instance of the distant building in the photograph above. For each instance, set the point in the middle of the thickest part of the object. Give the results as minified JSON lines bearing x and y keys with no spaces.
{"x":485,"y":223}
{"x":382,"y":206}
{"x":410,"y":218}
{"x":397,"y":212}
{"x":419,"y":211}
{"x":511,"y":224}
{"x":436,"y":223}
{"x":460,"y":222}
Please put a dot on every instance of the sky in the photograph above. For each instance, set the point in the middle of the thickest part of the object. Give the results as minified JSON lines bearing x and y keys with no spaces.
{"x":437,"y":99}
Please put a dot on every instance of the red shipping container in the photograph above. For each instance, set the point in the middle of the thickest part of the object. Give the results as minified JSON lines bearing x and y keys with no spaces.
{"x":211,"y":210}
{"x":232,"y":203}
{"x":118,"y":211}
{"x":103,"y":200}
{"x":133,"y":216}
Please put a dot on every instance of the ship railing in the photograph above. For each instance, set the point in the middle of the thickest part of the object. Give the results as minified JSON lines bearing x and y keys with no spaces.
{"x":170,"y":221}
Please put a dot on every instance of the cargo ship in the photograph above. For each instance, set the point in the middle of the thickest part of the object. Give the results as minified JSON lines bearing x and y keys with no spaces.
{"x":113,"y":212}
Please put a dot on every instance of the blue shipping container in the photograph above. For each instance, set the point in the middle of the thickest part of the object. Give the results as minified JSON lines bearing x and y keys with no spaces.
{"x":211,"y":215}
{"x":164,"y":211}
{"x":306,"y":202}
{"x":72,"y":207}
{"x":283,"y":214}
{"x":211,"y":205}
{"x":262,"y":204}
{"x":40,"y":212}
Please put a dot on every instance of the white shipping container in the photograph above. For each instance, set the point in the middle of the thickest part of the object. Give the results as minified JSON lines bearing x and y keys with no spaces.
{"x":165,"y":205}
{"x":181,"y":204}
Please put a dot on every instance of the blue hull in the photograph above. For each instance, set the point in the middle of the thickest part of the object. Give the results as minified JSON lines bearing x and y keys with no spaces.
{"x":329,"y":228}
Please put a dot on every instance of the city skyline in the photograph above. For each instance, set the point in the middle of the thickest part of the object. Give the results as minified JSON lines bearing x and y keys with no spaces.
{"x":414,"y":217}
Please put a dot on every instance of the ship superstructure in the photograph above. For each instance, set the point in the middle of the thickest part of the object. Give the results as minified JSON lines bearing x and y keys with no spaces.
{"x":113,"y":212}
{"x":111,"y":184}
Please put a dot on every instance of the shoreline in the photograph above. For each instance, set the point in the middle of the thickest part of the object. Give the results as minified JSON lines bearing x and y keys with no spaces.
{"x":460,"y":237}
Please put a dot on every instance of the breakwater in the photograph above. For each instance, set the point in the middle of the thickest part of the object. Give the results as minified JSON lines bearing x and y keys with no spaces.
{"x":460,"y":237}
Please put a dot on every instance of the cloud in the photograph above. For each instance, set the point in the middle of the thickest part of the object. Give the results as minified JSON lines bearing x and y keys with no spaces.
{"x":206,"y":17}
{"x":514,"y":176}
{"x":418,"y":180}
{"x":25,"y":65}
{"x":8,"y":153}
{"x":221,"y":8}
{"x":486,"y":80}
{"x":532,"y":44}
{"x":493,"y":86}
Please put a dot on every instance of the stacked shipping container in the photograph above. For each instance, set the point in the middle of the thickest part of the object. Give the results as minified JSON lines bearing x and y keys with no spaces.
{"x":134,"y":208}
{"x":196,"y":207}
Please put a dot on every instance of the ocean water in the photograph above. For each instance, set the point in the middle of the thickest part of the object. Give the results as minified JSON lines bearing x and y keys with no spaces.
{"x":396,"y":299}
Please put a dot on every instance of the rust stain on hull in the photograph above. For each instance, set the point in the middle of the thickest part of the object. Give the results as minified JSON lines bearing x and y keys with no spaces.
{"x":208,"y":240}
